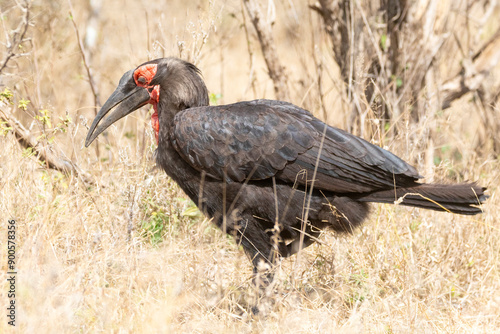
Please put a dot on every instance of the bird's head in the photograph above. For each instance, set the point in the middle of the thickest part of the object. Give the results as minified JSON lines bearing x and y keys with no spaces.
{"x":169,"y":84}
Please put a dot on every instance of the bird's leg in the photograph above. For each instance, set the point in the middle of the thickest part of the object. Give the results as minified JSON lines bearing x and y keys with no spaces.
{"x":260,"y":249}
{"x":263,"y":273}
{"x":265,"y":250}
{"x":263,"y":281}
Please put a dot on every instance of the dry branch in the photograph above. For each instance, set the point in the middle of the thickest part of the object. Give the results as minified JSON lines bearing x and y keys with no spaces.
{"x":336,"y":20}
{"x":17,"y":36}
{"x":473,"y":72}
{"x":265,"y":35}
{"x":398,"y":58}
{"x":52,"y":159}
{"x":345,"y":29}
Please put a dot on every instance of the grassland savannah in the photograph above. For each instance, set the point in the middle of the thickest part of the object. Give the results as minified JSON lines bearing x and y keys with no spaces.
{"x":106,"y":242}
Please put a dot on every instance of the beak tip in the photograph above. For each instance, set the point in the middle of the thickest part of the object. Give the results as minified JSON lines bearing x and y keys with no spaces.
{"x":88,"y":141}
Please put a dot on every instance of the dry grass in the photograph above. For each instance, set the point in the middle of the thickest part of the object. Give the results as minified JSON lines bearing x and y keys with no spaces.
{"x":130,"y":255}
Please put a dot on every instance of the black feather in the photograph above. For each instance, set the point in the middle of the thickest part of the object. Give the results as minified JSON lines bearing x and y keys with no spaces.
{"x":256,"y":159}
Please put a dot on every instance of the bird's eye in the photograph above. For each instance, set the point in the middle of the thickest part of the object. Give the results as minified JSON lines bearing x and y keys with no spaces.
{"x":141,"y":80}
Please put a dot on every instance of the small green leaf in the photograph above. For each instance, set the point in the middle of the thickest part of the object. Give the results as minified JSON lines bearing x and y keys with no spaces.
{"x":383,"y":42}
{"x":129,"y":135}
{"x":23,"y":104}
{"x":6,"y":95}
{"x":445,"y":148}
{"x":399,"y":82}
{"x":44,"y":118}
{"x":191,"y":212}
{"x":214,"y":98}
{"x":28,"y":152}
{"x":4,"y":128}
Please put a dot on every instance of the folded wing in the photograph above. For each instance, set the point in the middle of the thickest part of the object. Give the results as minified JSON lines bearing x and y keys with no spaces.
{"x":259,"y":139}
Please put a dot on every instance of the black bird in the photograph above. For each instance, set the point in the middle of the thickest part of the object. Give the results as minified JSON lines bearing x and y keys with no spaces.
{"x":269,"y":172}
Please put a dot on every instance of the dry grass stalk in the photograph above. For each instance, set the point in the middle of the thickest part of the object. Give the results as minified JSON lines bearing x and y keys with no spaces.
{"x":144,"y":260}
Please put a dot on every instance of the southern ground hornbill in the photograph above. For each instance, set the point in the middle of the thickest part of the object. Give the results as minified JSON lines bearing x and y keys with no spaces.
{"x":269,"y":172}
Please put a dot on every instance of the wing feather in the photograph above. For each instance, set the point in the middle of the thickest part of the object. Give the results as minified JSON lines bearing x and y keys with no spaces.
{"x":259,"y":139}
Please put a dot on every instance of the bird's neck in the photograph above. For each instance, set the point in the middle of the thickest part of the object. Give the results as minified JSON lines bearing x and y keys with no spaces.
{"x":164,"y":112}
{"x":168,"y":157}
{"x":187,"y":91}
{"x":177,"y":168}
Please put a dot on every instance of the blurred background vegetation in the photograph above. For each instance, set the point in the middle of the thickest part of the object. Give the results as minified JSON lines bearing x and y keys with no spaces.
{"x":107,"y":243}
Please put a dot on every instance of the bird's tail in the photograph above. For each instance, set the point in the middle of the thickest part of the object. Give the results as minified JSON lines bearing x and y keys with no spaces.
{"x":462,"y":198}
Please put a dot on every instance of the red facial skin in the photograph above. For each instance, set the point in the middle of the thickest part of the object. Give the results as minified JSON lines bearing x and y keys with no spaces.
{"x":142,"y":77}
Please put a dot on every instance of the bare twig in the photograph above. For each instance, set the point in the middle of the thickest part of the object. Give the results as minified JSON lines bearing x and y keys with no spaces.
{"x":336,"y":25}
{"x":24,"y":137}
{"x":338,"y":18}
{"x":251,"y":76}
{"x":264,"y":32}
{"x":473,"y":72}
{"x":18,"y":35}
{"x":95,"y":92}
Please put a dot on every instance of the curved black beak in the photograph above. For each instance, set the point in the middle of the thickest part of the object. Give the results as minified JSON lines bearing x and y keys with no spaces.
{"x":127,"y":98}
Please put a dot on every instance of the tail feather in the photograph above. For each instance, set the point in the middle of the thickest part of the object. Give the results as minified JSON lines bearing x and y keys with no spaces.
{"x":457,"y":198}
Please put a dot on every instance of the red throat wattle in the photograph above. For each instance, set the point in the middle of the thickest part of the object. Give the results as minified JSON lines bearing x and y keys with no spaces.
{"x":155,"y":97}
{"x":143,"y":77}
